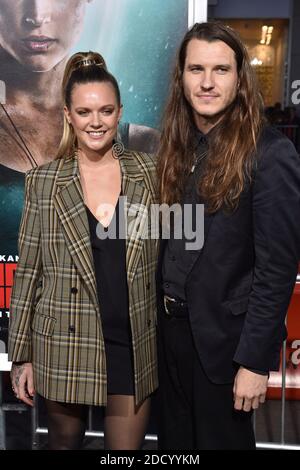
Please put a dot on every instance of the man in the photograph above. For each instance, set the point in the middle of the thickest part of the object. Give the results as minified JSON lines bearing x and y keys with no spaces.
{"x":222,"y":308}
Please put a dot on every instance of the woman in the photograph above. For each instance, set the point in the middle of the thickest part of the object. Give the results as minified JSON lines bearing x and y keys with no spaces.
{"x":82,"y":328}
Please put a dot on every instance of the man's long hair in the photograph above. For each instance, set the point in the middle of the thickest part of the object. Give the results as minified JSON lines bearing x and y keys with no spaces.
{"x":230,"y":155}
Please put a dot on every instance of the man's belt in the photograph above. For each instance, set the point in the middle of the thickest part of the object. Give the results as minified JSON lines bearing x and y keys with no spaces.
{"x":175,"y":307}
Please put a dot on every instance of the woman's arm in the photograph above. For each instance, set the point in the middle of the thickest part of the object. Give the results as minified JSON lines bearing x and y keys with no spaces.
{"x":26,"y":277}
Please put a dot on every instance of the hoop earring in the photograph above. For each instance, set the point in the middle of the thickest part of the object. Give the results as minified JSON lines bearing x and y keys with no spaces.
{"x":117,"y":150}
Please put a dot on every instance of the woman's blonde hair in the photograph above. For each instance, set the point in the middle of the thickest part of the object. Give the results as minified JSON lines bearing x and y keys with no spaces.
{"x":81,"y":68}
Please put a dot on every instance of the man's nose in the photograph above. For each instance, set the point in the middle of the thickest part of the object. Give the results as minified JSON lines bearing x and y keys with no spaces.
{"x":207,"y":80}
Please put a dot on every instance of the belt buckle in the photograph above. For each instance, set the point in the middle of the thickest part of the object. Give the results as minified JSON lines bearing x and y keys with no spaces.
{"x":170,"y":299}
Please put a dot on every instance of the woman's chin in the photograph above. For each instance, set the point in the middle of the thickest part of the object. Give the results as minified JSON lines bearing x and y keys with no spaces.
{"x":98,"y":147}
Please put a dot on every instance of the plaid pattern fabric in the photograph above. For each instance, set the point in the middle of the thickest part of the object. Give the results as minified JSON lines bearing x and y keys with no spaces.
{"x":55,"y":319}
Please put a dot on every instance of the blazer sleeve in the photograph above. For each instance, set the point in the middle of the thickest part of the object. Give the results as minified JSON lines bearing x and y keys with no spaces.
{"x":276,"y":232}
{"x":26,"y":278}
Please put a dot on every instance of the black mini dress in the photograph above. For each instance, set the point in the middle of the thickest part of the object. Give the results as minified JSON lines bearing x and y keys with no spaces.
{"x":110,"y":268}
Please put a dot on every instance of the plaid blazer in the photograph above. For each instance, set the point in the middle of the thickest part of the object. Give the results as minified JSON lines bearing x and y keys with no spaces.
{"x":55,"y":319}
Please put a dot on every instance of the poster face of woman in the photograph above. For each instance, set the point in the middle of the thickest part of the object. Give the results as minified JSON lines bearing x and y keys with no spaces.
{"x":37,"y":37}
{"x":138,"y":40}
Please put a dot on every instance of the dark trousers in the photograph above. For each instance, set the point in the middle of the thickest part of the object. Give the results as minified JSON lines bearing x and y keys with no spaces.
{"x":194,"y":413}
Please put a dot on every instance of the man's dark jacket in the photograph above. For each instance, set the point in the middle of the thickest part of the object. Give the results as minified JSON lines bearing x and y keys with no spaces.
{"x":241,"y":281}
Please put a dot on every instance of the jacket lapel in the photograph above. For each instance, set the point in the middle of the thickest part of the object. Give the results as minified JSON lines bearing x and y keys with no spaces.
{"x":70,"y":208}
{"x":137,"y":211}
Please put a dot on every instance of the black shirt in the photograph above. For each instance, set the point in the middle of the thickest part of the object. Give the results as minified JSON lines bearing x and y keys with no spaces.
{"x":177,"y":259}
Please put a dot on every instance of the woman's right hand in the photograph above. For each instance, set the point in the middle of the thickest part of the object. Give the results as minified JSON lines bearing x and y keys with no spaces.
{"x":22,"y":381}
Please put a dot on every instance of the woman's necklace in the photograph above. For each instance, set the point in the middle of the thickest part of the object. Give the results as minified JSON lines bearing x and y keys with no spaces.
{"x":22,"y":142}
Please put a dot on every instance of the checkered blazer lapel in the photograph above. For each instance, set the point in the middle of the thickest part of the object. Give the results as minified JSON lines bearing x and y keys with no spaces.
{"x":69,"y":204}
{"x":138,"y":201}
{"x":70,"y":207}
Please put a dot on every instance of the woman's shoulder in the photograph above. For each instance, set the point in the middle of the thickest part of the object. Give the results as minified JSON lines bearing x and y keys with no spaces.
{"x":141,"y":163}
{"x":47,"y":169}
{"x":43,"y":177}
{"x":145,"y":161}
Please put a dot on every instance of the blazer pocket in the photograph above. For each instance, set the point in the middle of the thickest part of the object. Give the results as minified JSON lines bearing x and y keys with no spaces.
{"x":239,"y":306}
{"x":43,"y":325}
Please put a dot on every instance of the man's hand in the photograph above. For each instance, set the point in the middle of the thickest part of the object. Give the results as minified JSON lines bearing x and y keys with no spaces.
{"x":249,"y":389}
{"x":22,"y":382}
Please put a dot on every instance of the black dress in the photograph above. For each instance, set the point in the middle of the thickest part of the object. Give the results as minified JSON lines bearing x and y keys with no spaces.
{"x":110,"y":269}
